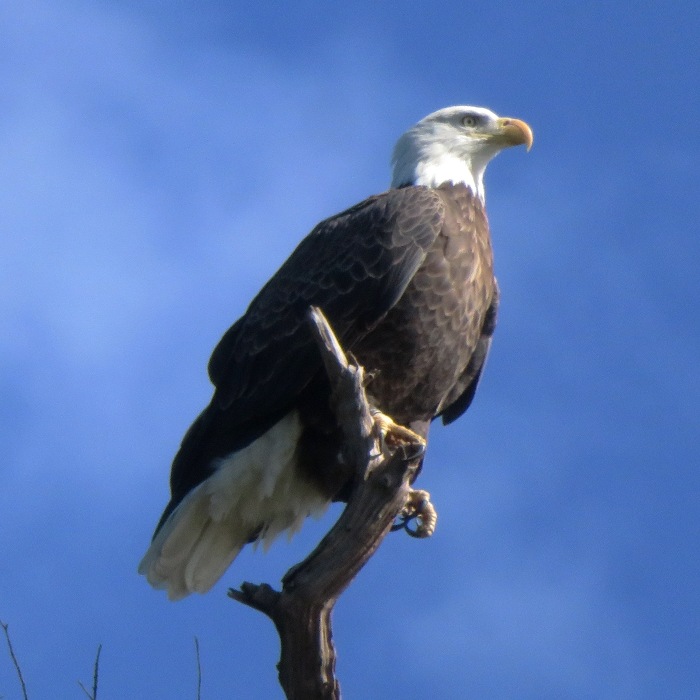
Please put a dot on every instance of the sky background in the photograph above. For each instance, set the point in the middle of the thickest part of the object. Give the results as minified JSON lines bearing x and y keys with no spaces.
{"x":158,"y":161}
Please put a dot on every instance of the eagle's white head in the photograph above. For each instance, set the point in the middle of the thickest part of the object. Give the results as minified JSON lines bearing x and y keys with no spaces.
{"x":454,"y":145}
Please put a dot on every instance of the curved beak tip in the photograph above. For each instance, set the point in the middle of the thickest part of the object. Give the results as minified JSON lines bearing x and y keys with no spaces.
{"x":517,"y":132}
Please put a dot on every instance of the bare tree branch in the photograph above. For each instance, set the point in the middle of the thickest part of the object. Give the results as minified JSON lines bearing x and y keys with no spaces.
{"x":14,"y":659}
{"x":301,"y":611}
{"x":199,"y":669}
{"x":95,"y":674}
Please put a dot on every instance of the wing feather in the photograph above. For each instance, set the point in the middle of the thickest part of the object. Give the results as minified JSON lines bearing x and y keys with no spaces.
{"x":463,"y":392}
{"x":355,"y":266}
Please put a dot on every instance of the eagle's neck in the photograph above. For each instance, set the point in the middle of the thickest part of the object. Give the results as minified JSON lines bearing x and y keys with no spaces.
{"x":434,"y":165}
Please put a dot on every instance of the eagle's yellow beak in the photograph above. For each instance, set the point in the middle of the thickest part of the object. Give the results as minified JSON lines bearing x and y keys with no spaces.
{"x":514,"y":132}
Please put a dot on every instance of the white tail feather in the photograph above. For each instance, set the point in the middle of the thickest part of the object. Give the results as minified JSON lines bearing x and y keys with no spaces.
{"x":255,"y":489}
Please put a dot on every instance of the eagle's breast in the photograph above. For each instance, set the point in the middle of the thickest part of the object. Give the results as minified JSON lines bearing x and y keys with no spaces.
{"x":426,"y":340}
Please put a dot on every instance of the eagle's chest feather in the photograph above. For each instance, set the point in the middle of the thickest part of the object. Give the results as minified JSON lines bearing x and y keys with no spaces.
{"x":423,"y":345}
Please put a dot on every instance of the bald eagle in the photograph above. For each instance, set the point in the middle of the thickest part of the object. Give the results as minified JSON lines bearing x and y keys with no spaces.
{"x":406,"y":280}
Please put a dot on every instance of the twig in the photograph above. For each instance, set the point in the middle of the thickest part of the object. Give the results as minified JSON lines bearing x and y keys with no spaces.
{"x":199,"y":669}
{"x":95,"y":674}
{"x":14,"y":659}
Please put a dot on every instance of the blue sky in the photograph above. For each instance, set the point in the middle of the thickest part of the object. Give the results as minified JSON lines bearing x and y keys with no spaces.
{"x":159,"y":161}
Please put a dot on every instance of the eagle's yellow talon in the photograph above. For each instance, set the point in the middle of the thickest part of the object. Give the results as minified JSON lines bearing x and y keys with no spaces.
{"x":394,"y":435}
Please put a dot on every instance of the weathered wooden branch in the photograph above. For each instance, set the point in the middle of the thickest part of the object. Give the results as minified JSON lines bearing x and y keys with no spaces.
{"x":301,"y":612}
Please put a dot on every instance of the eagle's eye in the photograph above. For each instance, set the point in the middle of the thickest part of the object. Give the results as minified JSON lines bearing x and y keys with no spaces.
{"x":470,"y":120}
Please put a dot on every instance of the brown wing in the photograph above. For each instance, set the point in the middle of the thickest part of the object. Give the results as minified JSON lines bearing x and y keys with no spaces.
{"x":354,"y":266}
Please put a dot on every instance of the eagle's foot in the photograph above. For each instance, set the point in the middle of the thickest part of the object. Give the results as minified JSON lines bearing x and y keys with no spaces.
{"x":394,"y":436}
{"x":419,"y":508}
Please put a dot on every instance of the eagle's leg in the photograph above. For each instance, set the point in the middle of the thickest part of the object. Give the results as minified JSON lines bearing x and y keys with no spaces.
{"x":419,"y":508}
{"x":394,"y":435}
